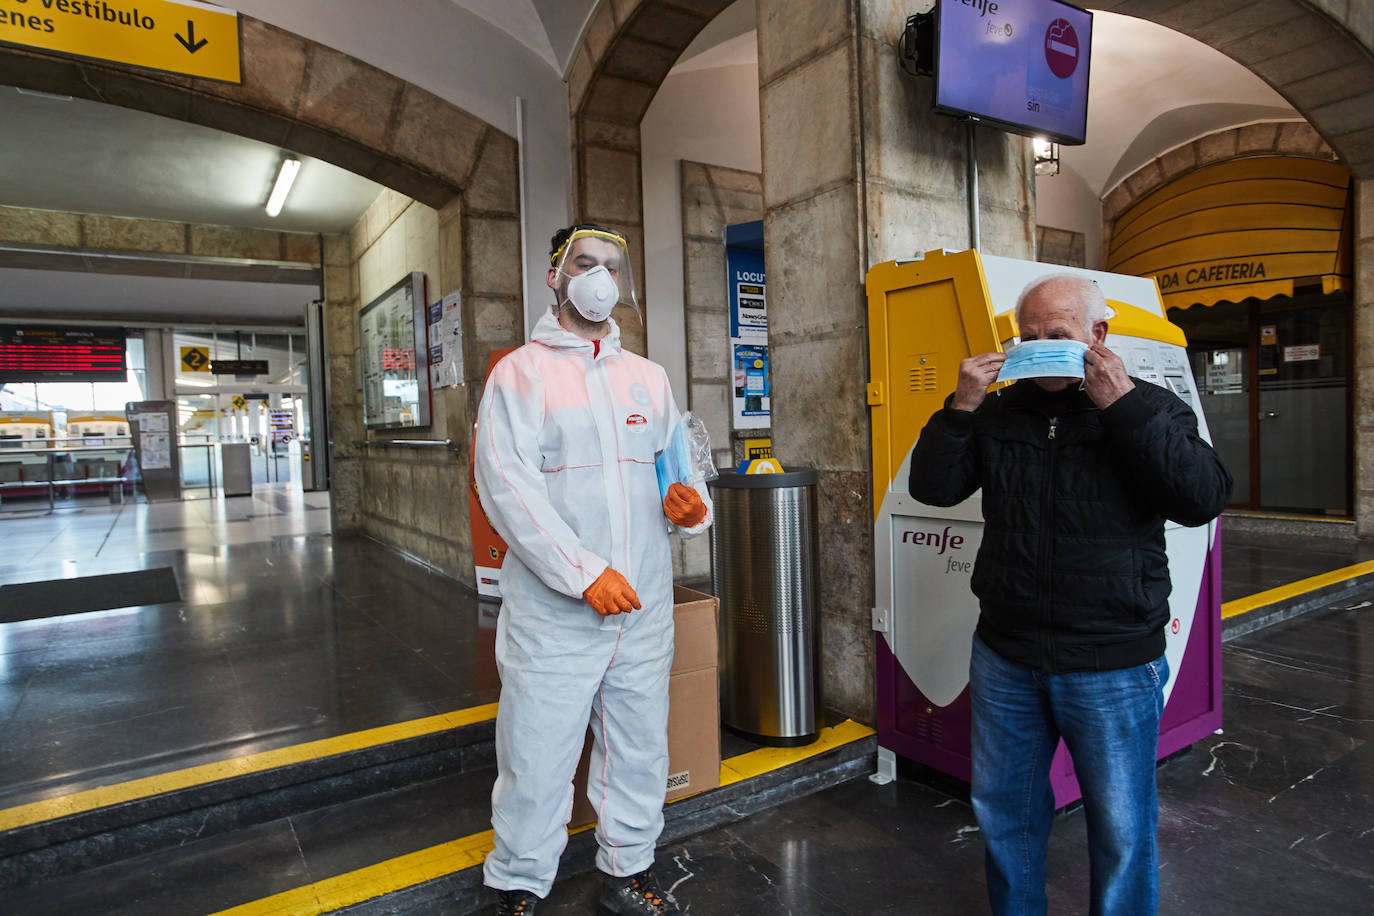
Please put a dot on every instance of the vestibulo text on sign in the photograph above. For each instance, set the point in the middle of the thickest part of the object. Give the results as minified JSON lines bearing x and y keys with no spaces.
{"x":179,"y":36}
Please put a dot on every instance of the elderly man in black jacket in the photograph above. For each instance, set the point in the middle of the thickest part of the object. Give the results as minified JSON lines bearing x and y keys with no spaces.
{"x":1078,"y":478}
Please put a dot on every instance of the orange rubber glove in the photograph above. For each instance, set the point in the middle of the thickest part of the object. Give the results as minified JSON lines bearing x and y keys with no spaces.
{"x":683,"y":506}
{"x":611,"y":594}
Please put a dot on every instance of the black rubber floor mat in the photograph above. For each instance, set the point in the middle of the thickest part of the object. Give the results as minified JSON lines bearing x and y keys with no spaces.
{"x":57,"y":597}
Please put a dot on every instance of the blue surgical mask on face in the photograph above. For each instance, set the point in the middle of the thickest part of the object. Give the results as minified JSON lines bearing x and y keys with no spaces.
{"x":1044,"y":359}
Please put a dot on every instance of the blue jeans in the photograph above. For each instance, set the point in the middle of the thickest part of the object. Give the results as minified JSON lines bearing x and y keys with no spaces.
{"x":1110,"y":722}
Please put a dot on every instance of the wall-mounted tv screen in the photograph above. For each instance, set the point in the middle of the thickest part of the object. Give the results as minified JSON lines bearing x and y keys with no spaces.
{"x":1020,"y":65}
{"x":36,"y":354}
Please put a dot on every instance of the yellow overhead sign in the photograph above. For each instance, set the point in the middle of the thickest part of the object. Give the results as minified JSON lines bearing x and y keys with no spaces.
{"x":179,"y":36}
{"x":193,"y":359}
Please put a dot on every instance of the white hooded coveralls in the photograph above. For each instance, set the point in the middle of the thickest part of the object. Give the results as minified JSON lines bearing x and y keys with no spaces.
{"x":567,"y":432}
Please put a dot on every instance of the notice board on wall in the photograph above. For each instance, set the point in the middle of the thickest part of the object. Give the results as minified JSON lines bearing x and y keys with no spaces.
{"x":393,"y":357}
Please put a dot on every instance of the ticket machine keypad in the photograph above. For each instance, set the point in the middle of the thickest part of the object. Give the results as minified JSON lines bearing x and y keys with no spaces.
{"x":1156,"y":362}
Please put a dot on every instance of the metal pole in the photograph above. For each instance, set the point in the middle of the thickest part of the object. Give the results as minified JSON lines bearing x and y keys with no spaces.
{"x":972,"y":155}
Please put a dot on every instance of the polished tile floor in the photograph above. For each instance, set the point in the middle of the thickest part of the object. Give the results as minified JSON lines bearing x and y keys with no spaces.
{"x":285,"y":634}
{"x":282,"y":636}
{"x":1253,"y":562}
{"x":1274,"y":816}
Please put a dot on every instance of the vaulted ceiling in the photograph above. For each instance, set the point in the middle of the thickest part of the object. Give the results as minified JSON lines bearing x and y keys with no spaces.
{"x":1152,"y":89}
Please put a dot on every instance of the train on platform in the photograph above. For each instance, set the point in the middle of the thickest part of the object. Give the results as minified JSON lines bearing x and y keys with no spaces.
{"x":89,"y":452}
{"x":91,"y":429}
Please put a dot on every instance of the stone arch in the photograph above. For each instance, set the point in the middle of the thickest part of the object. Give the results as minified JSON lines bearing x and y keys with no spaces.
{"x":1316,"y":55}
{"x":626,"y":52}
{"x":1315,"y":52}
{"x":317,"y":101}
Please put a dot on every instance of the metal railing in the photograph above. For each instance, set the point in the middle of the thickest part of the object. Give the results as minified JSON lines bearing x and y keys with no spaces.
{"x":51,"y":480}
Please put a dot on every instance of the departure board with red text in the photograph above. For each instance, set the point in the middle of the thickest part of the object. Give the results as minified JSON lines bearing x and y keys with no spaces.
{"x":29,"y":354}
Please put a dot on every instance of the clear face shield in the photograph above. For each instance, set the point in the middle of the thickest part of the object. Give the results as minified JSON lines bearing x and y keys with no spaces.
{"x":592,"y":273}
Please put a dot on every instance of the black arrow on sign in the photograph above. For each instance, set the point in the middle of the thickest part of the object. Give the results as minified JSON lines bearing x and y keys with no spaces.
{"x":190,"y":43}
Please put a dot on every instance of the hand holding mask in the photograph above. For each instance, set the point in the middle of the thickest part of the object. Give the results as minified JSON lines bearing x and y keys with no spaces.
{"x":1105,"y":378}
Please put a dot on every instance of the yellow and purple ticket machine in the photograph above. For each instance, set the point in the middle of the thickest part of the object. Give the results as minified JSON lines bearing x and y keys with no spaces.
{"x":924,"y":317}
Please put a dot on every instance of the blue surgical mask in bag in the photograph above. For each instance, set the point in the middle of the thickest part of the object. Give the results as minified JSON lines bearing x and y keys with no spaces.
{"x":686,"y":459}
{"x":1044,"y":359}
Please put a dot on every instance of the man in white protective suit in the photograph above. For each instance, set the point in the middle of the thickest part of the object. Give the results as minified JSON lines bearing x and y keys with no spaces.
{"x":566,"y":438}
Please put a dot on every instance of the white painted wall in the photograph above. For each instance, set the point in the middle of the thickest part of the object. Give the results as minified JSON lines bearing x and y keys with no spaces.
{"x":470,"y":62}
{"x":706,"y":115}
{"x":1065,"y":201}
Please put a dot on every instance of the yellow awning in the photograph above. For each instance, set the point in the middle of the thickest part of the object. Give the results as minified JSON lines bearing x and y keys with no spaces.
{"x":1247,"y":228}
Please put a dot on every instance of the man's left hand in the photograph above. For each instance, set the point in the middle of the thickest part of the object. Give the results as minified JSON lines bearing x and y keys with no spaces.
{"x":683,"y":506}
{"x":1104,"y":376}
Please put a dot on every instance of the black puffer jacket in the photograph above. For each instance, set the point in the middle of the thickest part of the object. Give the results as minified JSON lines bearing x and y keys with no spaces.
{"x":1072,"y":573}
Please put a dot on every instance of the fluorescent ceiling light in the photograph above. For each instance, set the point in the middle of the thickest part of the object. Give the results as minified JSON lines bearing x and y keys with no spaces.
{"x":289,"y":168}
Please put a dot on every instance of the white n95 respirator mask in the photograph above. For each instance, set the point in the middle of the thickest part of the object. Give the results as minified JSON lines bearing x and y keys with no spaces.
{"x":1044,"y":359}
{"x":594,"y":293}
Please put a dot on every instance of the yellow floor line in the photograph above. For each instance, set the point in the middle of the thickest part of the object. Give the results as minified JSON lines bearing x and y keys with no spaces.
{"x":1292,"y":589}
{"x":1334,"y":520}
{"x":49,"y":809}
{"x":77,"y":802}
{"x":391,"y":875}
{"x":766,"y":759}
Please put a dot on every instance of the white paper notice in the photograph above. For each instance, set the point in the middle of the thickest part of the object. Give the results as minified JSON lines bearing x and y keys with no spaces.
{"x":446,"y":343}
{"x":154,"y":450}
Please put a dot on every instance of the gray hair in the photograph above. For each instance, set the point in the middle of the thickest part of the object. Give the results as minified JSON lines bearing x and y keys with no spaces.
{"x":1085,"y":293}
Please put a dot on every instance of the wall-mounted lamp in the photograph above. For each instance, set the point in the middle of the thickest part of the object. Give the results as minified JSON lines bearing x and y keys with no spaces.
{"x":1046,"y":156}
{"x":289,"y":168}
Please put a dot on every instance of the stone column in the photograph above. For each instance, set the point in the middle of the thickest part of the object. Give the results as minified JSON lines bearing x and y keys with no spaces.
{"x":1362,"y":303}
{"x":713,"y":197}
{"x":856,"y":170}
{"x":609,"y":193}
{"x":479,"y":242}
{"x":345,"y":400}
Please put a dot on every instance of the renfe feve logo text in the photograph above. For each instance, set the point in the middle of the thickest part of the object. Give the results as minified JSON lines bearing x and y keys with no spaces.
{"x":942,"y":541}
{"x":983,"y":7}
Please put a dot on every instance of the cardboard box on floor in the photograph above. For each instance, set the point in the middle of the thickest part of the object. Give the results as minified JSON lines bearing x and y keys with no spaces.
{"x":693,"y":707}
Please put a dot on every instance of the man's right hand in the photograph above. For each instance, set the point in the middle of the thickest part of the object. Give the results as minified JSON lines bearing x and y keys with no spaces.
{"x":975,"y":375}
{"x":611,"y":594}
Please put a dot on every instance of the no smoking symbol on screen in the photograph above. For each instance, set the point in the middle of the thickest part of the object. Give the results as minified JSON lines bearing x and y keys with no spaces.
{"x":1061,"y":48}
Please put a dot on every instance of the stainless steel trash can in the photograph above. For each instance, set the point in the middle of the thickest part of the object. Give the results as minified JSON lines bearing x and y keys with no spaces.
{"x":236,"y":469}
{"x":763,"y":562}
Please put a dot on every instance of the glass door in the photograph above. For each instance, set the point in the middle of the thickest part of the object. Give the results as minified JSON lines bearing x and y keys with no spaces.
{"x":1223,"y":377}
{"x":1303,"y":450}
{"x":1219,"y":348}
{"x":1275,"y":391}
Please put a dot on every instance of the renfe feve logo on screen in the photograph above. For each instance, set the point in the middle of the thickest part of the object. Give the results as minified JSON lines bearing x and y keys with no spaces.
{"x":983,"y":7}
